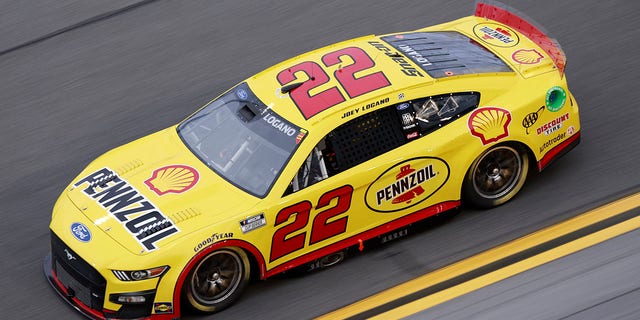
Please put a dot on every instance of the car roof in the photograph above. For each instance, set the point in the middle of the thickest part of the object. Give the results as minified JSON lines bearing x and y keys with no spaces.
{"x":318,"y":85}
{"x":323,"y":78}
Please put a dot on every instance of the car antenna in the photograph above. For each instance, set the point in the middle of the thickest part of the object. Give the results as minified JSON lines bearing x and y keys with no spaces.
{"x":288,"y":88}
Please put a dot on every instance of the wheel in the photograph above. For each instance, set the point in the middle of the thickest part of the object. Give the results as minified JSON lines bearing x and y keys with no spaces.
{"x":496,"y":176}
{"x":217,"y":280}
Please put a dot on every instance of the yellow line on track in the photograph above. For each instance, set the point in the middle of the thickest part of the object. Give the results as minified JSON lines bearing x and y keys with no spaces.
{"x":459,"y":268}
{"x":511,"y":270}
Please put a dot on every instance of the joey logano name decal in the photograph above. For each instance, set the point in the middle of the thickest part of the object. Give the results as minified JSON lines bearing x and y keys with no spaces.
{"x":135,"y":212}
{"x":279,"y":125}
{"x":406,"y":184}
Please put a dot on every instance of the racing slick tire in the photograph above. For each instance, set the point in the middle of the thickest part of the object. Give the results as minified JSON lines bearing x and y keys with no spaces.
{"x":496,"y":176}
{"x":217,"y":280}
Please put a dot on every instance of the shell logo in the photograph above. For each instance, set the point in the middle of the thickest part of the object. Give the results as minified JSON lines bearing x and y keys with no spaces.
{"x":172,"y":179}
{"x":490,"y":124}
{"x":407,"y":184}
{"x":526,"y":56}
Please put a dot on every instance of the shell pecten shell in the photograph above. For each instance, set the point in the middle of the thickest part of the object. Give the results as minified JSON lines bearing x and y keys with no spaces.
{"x":172,"y":179}
{"x":490,"y":124}
{"x":527,"y":56}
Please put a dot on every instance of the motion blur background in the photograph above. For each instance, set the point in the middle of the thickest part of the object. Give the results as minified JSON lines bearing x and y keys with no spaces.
{"x":128,"y":68}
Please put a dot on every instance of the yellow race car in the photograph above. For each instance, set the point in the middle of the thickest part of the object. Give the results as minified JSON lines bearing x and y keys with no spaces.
{"x":318,"y":154}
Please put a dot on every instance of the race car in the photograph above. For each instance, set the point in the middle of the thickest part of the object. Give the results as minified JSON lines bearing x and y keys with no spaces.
{"x":311,"y":157}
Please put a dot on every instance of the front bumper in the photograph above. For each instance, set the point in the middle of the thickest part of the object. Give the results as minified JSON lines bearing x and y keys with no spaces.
{"x":84,"y":288}
{"x":64,"y":292}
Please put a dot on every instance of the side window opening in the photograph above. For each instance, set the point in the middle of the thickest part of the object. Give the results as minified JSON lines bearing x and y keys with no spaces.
{"x":350,"y":144}
{"x":313,"y":169}
{"x":372,"y":134}
{"x":422,"y":116}
{"x":366,"y":137}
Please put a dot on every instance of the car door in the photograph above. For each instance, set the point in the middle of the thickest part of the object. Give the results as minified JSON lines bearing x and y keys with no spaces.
{"x":365,"y":178}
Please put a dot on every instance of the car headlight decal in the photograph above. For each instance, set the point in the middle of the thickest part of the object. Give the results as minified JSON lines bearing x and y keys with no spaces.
{"x":137,"y":275}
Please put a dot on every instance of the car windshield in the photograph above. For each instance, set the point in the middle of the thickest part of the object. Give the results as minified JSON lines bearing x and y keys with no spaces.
{"x":241,"y":139}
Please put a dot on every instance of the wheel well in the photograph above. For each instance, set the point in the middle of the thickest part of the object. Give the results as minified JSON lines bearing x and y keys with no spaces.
{"x":515,"y":144}
{"x":254,"y":266}
{"x":523,"y":147}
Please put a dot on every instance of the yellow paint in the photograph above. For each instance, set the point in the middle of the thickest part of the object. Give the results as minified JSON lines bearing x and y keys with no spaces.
{"x":153,"y":202}
{"x":591,"y":217}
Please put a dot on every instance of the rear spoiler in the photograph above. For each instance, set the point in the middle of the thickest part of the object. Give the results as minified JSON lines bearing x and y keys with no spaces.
{"x":494,"y":10}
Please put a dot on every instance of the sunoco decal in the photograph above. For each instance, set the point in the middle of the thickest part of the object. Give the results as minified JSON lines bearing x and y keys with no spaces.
{"x":496,"y":34}
{"x":162,"y":307}
{"x":128,"y":206}
{"x":172,"y":179}
{"x":407,"y":184}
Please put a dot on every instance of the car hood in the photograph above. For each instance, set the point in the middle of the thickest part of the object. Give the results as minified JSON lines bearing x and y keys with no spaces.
{"x":153,"y":191}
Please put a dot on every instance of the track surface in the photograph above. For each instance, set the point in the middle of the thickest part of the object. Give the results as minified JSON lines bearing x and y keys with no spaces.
{"x":67,"y":99}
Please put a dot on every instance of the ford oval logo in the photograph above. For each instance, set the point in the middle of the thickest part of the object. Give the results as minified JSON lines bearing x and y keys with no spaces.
{"x":81,"y":232}
{"x":402,"y":106}
{"x":242,"y":94}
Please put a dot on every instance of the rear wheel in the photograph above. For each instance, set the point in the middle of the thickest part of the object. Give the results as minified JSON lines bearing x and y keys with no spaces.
{"x":217,"y":280}
{"x":496,"y":176}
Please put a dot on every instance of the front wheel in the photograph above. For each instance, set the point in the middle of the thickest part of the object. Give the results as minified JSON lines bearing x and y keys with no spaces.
{"x":217,"y":280}
{"x":496,"y":176}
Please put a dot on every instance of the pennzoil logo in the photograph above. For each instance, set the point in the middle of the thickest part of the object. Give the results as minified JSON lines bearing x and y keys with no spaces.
{"x":143,"y":220}
{"x":172,"y":179}
{"x":490,"y":124}
{"x":496,"y":34}
{"x":407,"y":184}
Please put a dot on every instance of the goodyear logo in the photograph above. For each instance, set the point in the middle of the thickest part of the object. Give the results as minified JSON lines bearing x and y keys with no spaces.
{"x":407,"y":184}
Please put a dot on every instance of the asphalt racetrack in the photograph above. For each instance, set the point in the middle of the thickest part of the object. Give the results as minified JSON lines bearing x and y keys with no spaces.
{"x":111,"y":75}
